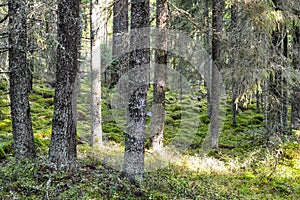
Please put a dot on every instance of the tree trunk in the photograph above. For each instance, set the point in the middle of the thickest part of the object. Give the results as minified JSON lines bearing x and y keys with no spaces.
{"x":138,"y":63}
{"x":295,"y":97}
{"x":217,"y":26}
{"x":279,"y":84}
{"x":265,"y":106}
{"x":62,"y":150}
{"x":258,"y":98}
{"x":120,"y":40}
{"x":233,"y":62}
{"x":30,"y":47}
{"x":95,"y":75}
{"x":19,"y":76}
{"x":160,"y":69}
{"x":207,"y":44}
{"x":285,"y":101}
{"x":275,"y":88}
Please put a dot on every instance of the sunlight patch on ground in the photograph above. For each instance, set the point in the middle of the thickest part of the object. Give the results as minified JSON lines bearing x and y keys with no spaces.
{"x":113,"y":155}
{"x":203,"y":164}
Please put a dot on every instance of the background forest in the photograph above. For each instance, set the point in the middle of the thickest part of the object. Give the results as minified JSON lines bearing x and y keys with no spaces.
{"x":216,"y":114}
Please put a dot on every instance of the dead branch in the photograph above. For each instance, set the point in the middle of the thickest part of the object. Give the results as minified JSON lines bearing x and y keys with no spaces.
{"x":5,"y":18}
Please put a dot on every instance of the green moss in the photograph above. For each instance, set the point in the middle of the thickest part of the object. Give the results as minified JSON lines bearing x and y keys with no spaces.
{"x":3,"y":84}
{"x":174,"y":108}
{"x":5,"y":148}
{"x":6,"y":125}
{"x":42,"y":90}
{"x":41,"y":145}
{"x":239,"y":129}
{"x":258,"y":117}
{"x":291,"y":150}
{"x":169,"y":120}
{"x":204,"y":119}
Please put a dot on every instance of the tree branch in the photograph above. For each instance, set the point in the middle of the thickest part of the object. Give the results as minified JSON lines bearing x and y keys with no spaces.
{"x":187,"y":16}
{"x":7,"y":93}
{"x":3,"y":50}
{"x":4,"y":4}
{"x":4,"y":34}
{"x":5,"y":18}
{"x":40,"y":20}
{"x":5,"y":106}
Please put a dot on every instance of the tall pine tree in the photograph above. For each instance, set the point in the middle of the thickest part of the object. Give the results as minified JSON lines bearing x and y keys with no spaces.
{"x":62,"y":150}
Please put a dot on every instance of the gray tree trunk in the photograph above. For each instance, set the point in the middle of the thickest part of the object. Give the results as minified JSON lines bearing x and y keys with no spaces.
{"x":159,"y":88}
{"x":234,"y":10}
{"x":207,"y":45}
{"x":96,"y":75}
{"x":258,"y":98}
{"x":30,"y":47}
{"x":285,"y":96}
{"x":62,"y":150}
{"x":279,"y":84}
{"x":217,"y":26}
{"x":19,"y":76}
{"x":120,"y":40}
{"x":295,"y":97}
{"x":137,"y":83}
{"x":265,"y":106}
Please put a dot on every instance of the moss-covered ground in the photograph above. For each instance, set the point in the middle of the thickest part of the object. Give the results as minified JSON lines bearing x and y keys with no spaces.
{"x":243,"y":168}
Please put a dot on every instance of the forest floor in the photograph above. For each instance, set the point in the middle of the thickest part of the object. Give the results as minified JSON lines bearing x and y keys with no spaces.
{"x":244,"y":167}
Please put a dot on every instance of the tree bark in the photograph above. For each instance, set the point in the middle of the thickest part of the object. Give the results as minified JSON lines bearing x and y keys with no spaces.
{"x":285,"y":96}
{"x":207,"y":44}
{"x":120,"y":40}
{"x":137,"y":83}
{"x":258,"y":98}
{"x":97,"y":139}
{"x":159,"y":87}
{"x":62,"y":150}
{"x":279,"y":86}
{"x":295,"y":97}
{"x":217,"y":26}
{"x":30,"y":46}
{"x":233,"y":62}
{"x":19,"y":76}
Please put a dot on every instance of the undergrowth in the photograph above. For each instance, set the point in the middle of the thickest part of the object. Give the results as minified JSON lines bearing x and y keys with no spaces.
{"x":191,"y":177}
{"x":243,"y":168}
